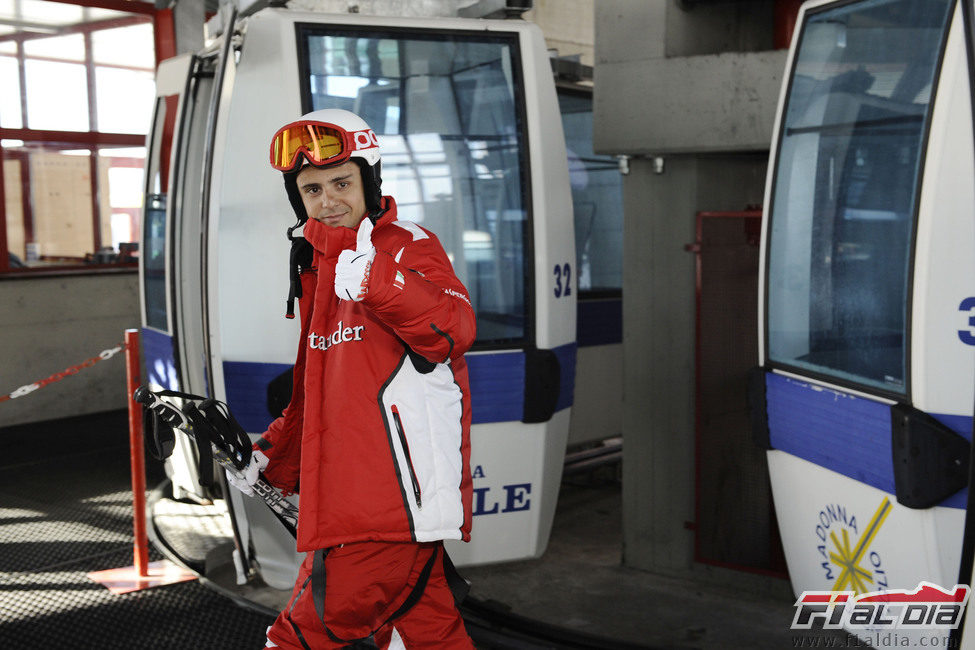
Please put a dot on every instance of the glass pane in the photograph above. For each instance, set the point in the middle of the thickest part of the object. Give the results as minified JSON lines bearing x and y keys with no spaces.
{"x":447,"y":110}
{"x":154,"y":262}
{"x":52,"y":13}
{"x":127,"y":46}
{"x":125,"y":235}
{"x":136,"y":153}
{"x":69,"y":48}
{"x":13,"y":194}
{"x":57,"y":96}
{"x":121,"y":195}
{"x":846,"y":189}
{"x":10,"y":116}
{"x":60,"y":187}
{"x":153,"y":253}
{"x":124,"y":99}
{"x":597,"y":199}
{"x":125,"y":187}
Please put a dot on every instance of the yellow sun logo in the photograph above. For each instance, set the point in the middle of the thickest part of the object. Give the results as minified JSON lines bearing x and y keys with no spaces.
{"x":852,"y":575}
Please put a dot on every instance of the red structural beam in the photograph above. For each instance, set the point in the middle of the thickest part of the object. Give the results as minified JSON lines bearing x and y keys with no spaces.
{"x":164,"y":35}
{"x":4,"y":250}
{"x":87,"y":138}
{"x":785,"y":15}
{"x":132,"y":6}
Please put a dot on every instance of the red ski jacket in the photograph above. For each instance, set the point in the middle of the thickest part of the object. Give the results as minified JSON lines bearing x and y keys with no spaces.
{"x":378,"y":428}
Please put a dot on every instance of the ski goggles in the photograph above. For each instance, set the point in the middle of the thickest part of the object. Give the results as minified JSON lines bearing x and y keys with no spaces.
{"x":319,"y":142}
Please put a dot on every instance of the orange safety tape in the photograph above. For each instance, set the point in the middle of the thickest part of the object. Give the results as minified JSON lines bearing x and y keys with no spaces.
{"x":73,"y":370}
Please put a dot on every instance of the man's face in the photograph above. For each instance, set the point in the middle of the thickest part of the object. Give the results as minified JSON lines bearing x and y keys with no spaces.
{"x":334,"y":195}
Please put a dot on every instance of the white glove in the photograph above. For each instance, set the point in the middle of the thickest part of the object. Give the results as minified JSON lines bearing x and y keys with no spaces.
{"x":248,"y":476}
{"x":352,"y":269}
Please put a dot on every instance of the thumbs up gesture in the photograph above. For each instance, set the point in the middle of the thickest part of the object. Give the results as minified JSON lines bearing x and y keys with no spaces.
{"x":352,"y":268}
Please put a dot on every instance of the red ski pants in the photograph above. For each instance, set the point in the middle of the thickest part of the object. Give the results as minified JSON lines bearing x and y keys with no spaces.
{"x":350,"y":592}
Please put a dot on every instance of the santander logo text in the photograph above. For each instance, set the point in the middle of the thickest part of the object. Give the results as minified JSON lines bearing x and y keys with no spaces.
{"x":342,"y":334}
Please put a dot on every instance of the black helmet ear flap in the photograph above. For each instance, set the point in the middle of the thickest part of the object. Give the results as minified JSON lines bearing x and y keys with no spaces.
{"x":371,"y":185}
{"x":294,"y":197}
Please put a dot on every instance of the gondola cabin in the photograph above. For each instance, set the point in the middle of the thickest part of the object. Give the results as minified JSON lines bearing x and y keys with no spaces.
{"x":865,"y":390}
{"x":472,"y":144}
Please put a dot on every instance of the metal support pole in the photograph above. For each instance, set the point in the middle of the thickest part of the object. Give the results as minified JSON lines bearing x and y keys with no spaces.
{"x":140,"y":549}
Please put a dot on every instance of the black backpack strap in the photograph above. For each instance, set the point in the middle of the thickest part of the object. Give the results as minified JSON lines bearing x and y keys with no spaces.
{"x":300,"y":258}
{"x":421,"y":585}
{"x":318,"y":594}
{"x":458,"y":584}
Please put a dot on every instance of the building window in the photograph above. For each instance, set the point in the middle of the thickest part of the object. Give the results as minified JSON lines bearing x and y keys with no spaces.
{"x":78,"y":94}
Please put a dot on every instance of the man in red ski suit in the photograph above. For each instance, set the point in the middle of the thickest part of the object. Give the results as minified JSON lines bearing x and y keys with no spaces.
{"x":377,"y":434}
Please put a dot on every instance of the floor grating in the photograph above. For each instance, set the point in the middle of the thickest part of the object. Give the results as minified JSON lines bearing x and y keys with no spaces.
{"x":63,"y":518}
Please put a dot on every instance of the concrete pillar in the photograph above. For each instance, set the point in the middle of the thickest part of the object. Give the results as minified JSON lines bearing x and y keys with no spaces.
{"x":658,"y":337}
{"x":659,"y":206}
{"x":695,"y":85}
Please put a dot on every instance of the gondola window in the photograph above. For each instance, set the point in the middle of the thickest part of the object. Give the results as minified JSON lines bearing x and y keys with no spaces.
{"x":846,"y":190}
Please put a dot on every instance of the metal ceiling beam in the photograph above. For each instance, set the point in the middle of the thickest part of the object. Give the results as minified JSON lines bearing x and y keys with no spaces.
{"x":86,"y":138}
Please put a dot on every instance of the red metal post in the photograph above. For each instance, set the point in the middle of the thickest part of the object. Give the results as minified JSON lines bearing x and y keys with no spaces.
{"x":140,"y":550}
{"x":4,"y":246}
{"x":785,"y":15}
{"x":164,"y":34}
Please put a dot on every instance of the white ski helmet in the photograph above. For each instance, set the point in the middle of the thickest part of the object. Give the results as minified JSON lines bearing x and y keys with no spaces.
{"x":327,"y":138}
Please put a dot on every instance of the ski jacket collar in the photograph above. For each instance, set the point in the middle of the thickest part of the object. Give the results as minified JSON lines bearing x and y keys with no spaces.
{"x":331,"y":241}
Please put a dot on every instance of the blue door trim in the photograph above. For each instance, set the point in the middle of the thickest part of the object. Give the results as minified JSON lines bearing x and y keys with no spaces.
{"x":497,"y":387}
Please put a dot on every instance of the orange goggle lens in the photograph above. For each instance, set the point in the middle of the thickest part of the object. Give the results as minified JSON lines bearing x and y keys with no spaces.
{"x":318,"y":142}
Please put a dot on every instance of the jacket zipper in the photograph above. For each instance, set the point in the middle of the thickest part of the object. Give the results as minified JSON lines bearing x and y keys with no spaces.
{"x":406,"y":452}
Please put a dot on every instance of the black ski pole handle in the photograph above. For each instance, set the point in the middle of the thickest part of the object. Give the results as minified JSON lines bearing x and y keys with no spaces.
{"x":228,"y":449}
{"x":169,"y":413}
